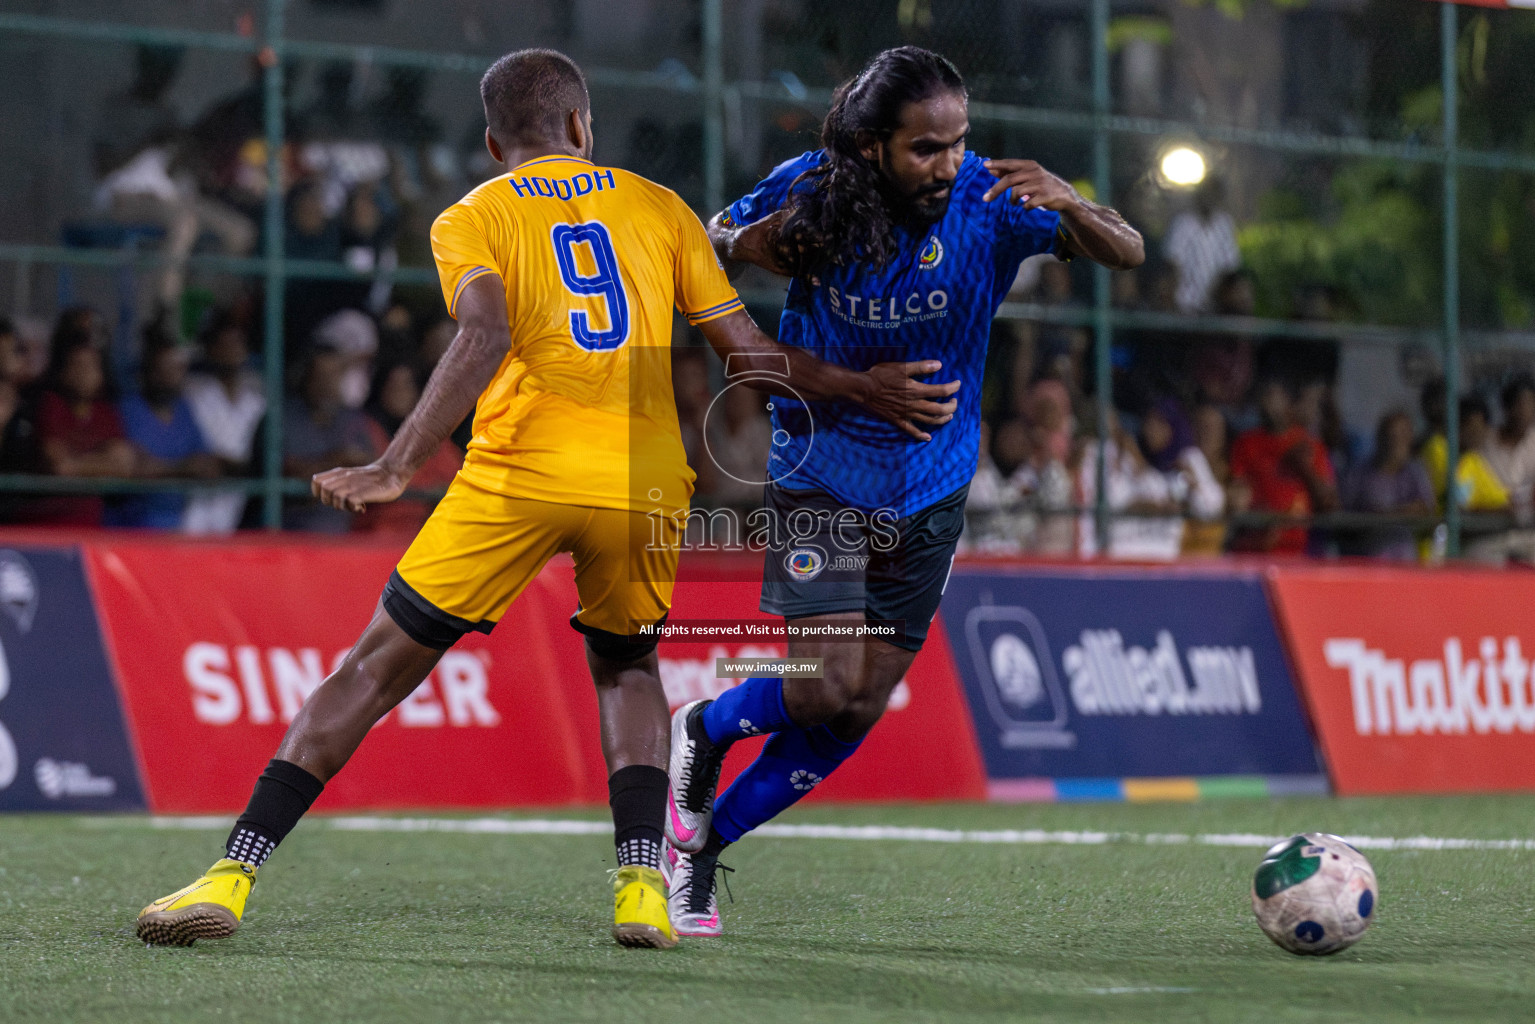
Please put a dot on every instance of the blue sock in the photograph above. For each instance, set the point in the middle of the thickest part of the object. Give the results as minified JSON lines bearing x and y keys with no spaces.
{"x":791,"y":764}
{"x":750,"y":708}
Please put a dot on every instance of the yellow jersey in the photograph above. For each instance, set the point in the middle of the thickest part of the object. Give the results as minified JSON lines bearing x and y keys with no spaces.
{"x":1477,"y":487}
{"x":593,"y":259}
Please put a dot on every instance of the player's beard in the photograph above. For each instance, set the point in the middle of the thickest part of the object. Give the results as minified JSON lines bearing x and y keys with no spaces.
{"x":926,"y":207}
{"x":917,"y":209}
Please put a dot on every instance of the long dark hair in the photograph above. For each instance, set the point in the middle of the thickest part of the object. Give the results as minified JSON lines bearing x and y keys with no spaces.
{"x":843,"y":217}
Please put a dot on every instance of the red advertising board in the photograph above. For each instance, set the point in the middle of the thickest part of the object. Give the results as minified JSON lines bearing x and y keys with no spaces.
{"x":923,"y":749}
{"x":1416,"y":682}
{"x":215,"y":648}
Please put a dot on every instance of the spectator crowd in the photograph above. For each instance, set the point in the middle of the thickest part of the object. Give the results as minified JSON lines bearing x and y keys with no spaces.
{"x":1219,"y":441}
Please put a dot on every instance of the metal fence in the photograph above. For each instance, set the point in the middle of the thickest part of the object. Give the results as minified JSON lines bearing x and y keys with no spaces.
{"x":1091,"y":121}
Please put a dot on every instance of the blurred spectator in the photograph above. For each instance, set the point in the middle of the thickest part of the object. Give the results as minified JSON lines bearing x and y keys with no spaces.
{"x":740,"y":438}
{"x":332,"y":115}
{"x":1234,"y":293}
{"x":79,"y":429}
{"x":227,"y":401}
{"x":78,"y":325}
{"x":320,"y":433}
{"x":1021,"y":494}
{"x":311,"y":233}
{"x":1055,"y":289}
{"x":984,"y":498}
{"x":367,"y":246}
{"x":1510,"y":451}
{"x":1221,"y":367}
{"x":1432,"y":405}
{"x":354,"y":336}
{"x":1167,"y":443}
{"x":396,"y":390}
{"x":1286,"y":469}
{"x":142,"y":178}
{"x":18,"y":417}
{"x":1477,"y":486}
{"x":1150,"y":528}
{"x":1050,"y":420}
{"x":1208,"y":536}
{"x":1202,"y":245}
{"x":159,"y":423}
{"x":138,"y":116}
{"x":1316,"y":409}
{"x":397,"y":337}
{"x":227,"y":144}
{"x":1389,"y":481}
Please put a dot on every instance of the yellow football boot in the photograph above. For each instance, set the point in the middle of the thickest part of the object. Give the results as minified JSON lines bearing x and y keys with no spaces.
{"x":209,"y":908}
{"x":640,"y":920}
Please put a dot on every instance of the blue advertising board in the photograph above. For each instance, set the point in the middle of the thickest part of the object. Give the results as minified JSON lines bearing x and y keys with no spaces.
{"x":63,"y":740}
{"x":1115,"y":673}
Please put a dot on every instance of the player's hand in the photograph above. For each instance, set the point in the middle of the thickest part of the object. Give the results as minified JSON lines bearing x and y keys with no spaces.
{"x":1030,"y":184}
{"x":906,"y":402}
{"x":756,"y":243}
{"x":354,"y":488}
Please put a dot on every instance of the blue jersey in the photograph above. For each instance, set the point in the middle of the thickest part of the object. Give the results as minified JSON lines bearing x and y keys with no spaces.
{"x":934,"y":300}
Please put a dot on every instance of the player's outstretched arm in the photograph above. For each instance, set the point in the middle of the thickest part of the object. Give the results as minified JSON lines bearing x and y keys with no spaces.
{"x":484,"y":338}
{"x":888,"y":390}
{"x":1094,"y":231}
{"x":752,"y":243}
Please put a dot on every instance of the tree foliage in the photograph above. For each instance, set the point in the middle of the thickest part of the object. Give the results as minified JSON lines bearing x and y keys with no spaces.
{"x":1374,"y":233}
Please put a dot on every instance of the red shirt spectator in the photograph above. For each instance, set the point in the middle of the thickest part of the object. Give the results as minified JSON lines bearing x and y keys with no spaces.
{"x":80,"y":432}
{"x":1287,"y":470}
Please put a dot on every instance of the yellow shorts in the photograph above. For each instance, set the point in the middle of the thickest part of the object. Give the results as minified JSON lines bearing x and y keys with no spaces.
{"x":479,"y":550}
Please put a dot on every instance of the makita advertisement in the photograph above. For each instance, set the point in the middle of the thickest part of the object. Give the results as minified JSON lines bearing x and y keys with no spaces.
{"x":1416,"y":681}
{"x":1124,"y":673}
{"x":62,"y":741}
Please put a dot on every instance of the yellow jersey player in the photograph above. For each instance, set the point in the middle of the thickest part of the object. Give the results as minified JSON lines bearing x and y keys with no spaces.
{"x":563,"y":276}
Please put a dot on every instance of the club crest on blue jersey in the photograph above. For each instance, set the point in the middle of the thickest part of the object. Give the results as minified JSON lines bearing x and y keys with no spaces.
{"x":805,"y":564}
{"x":932,"y":253}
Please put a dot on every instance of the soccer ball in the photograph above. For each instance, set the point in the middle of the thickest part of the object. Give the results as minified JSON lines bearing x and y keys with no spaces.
{"x":1314,"y":894}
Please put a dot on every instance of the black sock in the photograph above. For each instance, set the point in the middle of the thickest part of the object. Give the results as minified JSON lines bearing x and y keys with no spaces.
{"x":282,"y":794}
{"x":714,"y":845}
{"x":637,"y":795}
{"x":696,"y":731}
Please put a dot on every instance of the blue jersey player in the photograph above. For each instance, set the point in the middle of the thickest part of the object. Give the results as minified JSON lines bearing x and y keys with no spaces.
{"x":901,"y":245}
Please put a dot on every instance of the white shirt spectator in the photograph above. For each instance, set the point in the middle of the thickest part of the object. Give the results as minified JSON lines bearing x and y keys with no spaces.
{"x":1514,"y":464}
{"x":228,"y":425}
{"x":1202,"y":249}
{"x":1129,"y":482}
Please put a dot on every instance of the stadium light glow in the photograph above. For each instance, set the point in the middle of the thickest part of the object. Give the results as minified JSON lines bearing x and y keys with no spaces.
{"x":1183,"y":167}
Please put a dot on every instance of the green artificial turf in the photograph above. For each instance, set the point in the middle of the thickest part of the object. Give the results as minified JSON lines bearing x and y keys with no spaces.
{"x":426,"y":927}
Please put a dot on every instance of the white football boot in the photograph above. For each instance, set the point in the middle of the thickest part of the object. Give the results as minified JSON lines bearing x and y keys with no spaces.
{"x":690,"y":889}
{"x":695,"y":774}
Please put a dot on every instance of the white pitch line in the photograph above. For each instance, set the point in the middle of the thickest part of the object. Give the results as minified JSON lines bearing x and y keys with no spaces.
{"x":888,"y":833}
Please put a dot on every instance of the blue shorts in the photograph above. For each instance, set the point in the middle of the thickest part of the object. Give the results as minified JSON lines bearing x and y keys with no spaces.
{"x":824,"y":558}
